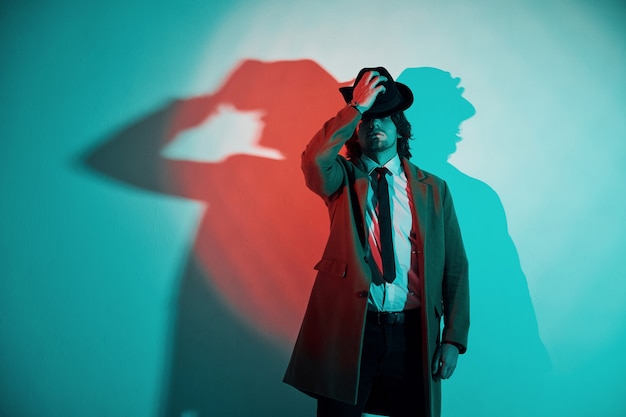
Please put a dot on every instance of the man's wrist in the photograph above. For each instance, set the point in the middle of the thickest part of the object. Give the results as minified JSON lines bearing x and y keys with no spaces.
{"x":456,"y":345}
{"x":356,"y":105}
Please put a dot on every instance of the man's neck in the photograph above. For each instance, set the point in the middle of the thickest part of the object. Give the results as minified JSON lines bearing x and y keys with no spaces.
{"x":381,"y":158}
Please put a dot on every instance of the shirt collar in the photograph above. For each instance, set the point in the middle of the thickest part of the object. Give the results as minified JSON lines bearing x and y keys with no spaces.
{"x":393,"y":165}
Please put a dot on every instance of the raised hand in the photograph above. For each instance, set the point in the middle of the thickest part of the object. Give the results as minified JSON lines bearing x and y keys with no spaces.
{"x":367,"y":89}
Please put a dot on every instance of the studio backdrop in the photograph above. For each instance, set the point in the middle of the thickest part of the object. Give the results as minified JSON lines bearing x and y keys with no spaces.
{"x":157,"y":240}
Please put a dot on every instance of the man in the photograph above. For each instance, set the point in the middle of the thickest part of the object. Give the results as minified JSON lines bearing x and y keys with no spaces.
{"x":394,"y":265}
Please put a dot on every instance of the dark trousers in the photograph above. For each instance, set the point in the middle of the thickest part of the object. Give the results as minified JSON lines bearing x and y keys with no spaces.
{"x":391,"y":372}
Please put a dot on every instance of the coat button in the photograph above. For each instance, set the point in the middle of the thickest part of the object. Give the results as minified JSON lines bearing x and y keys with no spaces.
{"x":361,"y":294}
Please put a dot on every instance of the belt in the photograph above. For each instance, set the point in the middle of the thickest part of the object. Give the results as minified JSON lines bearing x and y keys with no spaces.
{"x":383,"y":317}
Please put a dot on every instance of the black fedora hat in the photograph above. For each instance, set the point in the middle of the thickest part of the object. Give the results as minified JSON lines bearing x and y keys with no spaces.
{"x":397,"y":96}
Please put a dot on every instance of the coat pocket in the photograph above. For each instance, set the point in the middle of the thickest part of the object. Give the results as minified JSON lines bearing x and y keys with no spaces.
{"x":332,"y":267}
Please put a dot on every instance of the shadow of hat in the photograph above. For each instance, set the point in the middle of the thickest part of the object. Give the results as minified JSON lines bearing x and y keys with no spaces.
{"x":438,"y":95}
{"x":396,"y":97}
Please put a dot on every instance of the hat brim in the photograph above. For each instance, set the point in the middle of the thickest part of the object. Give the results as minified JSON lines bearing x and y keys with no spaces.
{"x":375,"y":111}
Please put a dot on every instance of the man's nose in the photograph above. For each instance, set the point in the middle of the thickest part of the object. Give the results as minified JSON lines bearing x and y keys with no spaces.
{"x":374,"y":124}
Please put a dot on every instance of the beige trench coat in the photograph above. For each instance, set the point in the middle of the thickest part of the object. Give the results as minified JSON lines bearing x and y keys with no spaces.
{"x":327,"y":353}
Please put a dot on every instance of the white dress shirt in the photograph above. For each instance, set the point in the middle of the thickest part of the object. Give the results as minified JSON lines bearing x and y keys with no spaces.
{"x":396,"y":296}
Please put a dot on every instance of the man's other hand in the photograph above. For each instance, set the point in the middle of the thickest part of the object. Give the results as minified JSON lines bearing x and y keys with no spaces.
{"x":444,"y":361}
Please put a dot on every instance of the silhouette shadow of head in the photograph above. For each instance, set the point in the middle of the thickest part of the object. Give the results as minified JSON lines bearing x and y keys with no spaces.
{"x":437,"y":112}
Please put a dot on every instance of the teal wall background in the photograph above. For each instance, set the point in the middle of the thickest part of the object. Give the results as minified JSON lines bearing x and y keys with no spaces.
{"x":92,"y":269}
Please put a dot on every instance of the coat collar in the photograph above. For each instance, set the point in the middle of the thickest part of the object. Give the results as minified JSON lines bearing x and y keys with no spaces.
{"x":394,"y":165}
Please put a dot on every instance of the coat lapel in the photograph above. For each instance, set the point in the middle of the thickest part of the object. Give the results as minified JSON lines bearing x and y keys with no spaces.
{"x":420,"y":194}
{"x":361,"y":186}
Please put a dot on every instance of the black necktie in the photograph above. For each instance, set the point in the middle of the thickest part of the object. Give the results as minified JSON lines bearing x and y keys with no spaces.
{"x":384,"y":223}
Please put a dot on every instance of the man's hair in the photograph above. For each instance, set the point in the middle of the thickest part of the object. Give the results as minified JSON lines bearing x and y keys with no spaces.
{"x":353,"y":149}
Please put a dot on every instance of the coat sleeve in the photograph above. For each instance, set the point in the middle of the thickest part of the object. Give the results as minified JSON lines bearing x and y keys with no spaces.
{"x":322,"y":169}
{"x":455,"y":279}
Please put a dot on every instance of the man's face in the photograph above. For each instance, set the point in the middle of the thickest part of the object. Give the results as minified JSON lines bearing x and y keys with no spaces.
{"x":377,"y":135}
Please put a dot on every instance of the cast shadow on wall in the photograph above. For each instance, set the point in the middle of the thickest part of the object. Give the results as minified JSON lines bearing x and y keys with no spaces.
{"x":242,"y":293}
{"x":246,"y":280}
{"x":506,"y":361}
